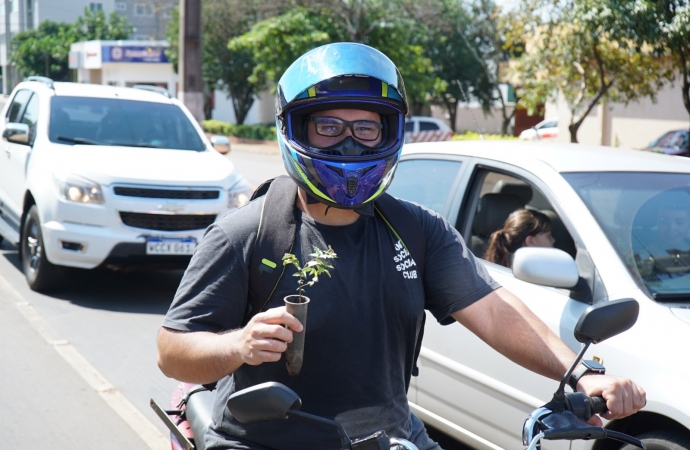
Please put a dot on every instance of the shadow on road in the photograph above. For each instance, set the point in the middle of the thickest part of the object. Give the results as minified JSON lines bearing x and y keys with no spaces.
{"x":142,"y":291}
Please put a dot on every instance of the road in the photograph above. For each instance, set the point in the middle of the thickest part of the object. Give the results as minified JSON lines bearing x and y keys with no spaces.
{"x":79,"y":366}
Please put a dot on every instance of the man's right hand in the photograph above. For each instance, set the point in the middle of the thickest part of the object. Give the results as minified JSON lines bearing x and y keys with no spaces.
{"x":266,"y":336}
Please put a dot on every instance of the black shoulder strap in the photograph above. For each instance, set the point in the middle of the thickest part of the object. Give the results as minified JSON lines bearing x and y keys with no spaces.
{"x":274,"y":238}
{"x":408,"y":229}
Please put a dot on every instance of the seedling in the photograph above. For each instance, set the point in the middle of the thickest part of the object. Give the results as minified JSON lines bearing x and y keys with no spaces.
{"x":309,"y":273}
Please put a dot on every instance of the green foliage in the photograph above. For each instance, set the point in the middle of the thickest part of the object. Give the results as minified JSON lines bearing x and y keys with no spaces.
{"x":260,"y":132}
{"x":317,"y":265}
{"x":578,"y":49}
{"x":45,"y":50}
{"x":472,"y":136}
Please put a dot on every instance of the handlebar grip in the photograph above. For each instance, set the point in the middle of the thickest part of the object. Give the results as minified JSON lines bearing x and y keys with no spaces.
{"x":598,"y":404}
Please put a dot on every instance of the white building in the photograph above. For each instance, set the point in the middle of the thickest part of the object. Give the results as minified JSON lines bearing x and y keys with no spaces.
{"x":21,"y":15}
{"x":123,"y":63}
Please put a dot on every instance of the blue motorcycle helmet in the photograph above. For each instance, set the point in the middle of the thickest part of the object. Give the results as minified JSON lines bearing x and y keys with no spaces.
{"x":345,"y":75}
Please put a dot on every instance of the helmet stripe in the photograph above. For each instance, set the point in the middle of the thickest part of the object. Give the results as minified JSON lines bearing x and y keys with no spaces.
{"x":384,"y":89}
{"x":308,"y":183}
{"x":312,"y":91}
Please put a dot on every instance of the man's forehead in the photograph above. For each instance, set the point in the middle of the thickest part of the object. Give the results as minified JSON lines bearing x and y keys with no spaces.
{"x":349,"y":113}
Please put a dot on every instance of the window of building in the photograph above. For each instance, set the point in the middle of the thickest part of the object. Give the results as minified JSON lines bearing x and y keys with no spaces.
{"x":29,"y":14}
{"x":96,"y":6}
{"x":144,"y":10}
{"x":121,"y":6}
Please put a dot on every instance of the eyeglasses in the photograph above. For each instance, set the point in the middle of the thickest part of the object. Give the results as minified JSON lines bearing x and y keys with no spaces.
{"x":365,"y":130}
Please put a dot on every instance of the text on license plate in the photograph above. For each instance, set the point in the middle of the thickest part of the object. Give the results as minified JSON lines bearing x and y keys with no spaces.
{"x":170,"y":246}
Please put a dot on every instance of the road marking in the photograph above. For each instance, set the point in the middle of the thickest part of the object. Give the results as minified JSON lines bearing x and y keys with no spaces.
{"x":123,"y":407}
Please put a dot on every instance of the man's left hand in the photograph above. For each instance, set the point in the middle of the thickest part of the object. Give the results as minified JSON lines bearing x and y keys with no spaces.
{"x":623,"y":397}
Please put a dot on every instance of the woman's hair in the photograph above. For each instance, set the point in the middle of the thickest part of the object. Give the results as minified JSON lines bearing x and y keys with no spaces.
{"x":519,"y":225}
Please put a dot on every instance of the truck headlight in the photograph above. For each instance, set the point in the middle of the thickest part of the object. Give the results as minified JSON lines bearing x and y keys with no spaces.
{"x":237,"y":199}
{"x":77,"y":189}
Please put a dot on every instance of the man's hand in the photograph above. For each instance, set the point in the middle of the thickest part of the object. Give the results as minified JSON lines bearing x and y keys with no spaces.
{"x":266,"y":336}
{"x":623,"y":397}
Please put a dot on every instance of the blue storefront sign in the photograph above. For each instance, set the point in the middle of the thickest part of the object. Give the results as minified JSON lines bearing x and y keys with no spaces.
{"x":127,"y":53}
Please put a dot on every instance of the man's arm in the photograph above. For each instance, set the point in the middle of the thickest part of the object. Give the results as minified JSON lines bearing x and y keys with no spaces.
{"x":203,"y":357}
{"x":505,"y":323}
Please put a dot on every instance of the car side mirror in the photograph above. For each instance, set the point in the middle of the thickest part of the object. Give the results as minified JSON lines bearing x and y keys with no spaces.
{"x":265,"y":401}
{"x":606,"y":319}
{"x":221,"y":144}
{"x":546,"y":267}
{"x":17,"y":133}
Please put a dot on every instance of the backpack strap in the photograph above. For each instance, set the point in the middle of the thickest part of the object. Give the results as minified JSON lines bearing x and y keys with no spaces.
{"x":408,"y":229}
{"x":275,"y":237}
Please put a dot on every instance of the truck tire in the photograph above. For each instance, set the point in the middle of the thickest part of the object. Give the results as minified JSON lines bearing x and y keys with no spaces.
{"x":41,"y":275}
{"x":662,"y":440}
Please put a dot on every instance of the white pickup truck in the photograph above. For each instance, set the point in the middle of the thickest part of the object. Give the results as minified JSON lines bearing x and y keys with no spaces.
{"x":95,"y":175}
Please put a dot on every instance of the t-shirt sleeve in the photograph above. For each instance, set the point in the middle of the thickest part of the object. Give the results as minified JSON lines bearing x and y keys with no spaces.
{"x":212,"y":295}
{"x":453,"y":277}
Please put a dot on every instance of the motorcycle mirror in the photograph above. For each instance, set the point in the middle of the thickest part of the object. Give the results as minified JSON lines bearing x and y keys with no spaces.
{"x":265,"y":401}
{"x":607,"y":319}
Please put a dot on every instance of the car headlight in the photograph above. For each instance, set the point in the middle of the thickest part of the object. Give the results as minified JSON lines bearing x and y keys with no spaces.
{"x":77,"y":189}
{"x":237,"y":199}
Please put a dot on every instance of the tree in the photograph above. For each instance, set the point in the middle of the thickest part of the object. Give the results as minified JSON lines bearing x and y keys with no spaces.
{"x":578,"y":50}
{"x":45,"y":50}
{"x":222,"y":68}
{"x":665,"y":25}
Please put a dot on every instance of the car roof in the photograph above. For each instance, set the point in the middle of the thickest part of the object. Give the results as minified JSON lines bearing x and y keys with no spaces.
{"x":562,"y":157}
{"x":98,"y":91}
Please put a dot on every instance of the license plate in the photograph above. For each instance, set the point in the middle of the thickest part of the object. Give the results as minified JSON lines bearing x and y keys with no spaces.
{"x":170,"y":246}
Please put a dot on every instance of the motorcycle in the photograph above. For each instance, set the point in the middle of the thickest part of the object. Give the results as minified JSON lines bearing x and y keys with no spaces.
{"x":563,"y":418}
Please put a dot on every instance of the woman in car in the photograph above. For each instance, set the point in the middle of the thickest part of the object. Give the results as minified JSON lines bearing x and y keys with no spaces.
{"x":523,"y":228}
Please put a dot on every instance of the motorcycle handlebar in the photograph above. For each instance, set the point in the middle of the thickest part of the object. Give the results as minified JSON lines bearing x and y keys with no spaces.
{"x":584,"y":406}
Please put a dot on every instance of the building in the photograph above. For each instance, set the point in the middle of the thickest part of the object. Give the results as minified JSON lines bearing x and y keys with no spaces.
{"x":21,"y":15}
{"x":123,"y":63}
{"x":149,"y":17}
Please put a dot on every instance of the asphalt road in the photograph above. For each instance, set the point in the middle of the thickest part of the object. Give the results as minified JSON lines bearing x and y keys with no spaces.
{"x":79,"y":366}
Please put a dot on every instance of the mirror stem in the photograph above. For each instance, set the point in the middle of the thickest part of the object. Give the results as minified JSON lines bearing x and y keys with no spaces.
{"x":561,"y":387}
{"x":347,"y":444}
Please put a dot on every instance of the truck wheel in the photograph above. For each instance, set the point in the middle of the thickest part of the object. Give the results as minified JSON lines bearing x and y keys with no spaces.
{"x":662,"y":440}
{"x":41,"y":275}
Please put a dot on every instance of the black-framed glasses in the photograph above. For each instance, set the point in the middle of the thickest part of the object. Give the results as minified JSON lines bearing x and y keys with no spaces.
{"x":366,"y":130}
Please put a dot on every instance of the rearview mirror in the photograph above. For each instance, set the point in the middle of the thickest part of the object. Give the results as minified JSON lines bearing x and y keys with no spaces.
{"x":607,"y":319}
{"x":17,"y":133}
{"x":265,"y":401}
{"x":221,"y":144}
{"x":546,"y":267}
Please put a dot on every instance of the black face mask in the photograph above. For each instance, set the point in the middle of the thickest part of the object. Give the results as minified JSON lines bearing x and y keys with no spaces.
{"x":347,"y":147}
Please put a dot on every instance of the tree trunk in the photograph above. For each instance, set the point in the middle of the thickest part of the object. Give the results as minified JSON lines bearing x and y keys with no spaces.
{"x":452,"y":108}
{"x":573,"y":127}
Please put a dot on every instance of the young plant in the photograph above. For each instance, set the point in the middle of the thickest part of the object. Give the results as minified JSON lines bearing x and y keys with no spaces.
{"x":317,"y":265}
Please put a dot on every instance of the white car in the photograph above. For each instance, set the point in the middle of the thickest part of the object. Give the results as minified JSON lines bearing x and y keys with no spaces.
{"x":426,"y":129}
{"x":544,"y":130}
{"x":95,"y":175}
{"x":615,"y":214}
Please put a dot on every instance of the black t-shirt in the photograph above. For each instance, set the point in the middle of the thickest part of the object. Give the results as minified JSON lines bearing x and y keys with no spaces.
{"x":362,"y":323}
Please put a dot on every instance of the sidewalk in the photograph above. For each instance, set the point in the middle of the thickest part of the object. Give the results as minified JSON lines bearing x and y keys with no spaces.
{"x":263,"y":149}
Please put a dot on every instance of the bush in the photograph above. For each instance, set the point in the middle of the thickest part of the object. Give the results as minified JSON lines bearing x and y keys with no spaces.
{"x":472,"y":136}
{"x":260,"y":132}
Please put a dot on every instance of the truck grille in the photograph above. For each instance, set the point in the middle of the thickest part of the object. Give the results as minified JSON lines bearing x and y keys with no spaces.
{"x":167,"y":222}
{"x":182,"y":194}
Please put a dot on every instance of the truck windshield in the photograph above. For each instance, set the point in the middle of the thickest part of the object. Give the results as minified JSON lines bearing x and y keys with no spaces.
{"x":646,"y":216}
{"x":131,"y":123}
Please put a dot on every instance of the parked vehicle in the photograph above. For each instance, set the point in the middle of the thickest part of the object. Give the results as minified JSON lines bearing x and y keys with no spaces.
{"x":609,"y":213}
{"x":98,"y":175}
{"x":544,"y":130}
{"x":562,"y":418}
{"x":676,"y":142}
{"x":426,"y":129}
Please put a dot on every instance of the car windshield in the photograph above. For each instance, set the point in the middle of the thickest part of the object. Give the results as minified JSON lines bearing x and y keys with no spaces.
{"x":646,"y":216}
{"x":131,"y":123}
{"x":674,"y":139}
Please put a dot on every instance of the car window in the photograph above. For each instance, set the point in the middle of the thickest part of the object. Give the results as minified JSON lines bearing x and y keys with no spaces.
{"x":497,"y":195}
{"x":409,"y":126}
{"x":30,"y":116}
{"x":17,"y":106}
{"x":121,"y":122}
{"x":646,"y":217}
{"x":427,"y":126}
{"x":427,"y":182}
{"x":552,"y":124}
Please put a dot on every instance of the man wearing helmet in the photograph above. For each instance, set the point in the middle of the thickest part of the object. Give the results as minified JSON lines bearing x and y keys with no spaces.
{"x":340,"y":116}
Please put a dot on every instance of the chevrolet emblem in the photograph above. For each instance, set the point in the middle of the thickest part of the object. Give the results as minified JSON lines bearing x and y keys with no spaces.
{"x":172,"y":207}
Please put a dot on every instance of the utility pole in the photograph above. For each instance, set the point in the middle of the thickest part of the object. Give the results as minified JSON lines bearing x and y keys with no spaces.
{"x":191,"y":87}
{"x":7,"y":78}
